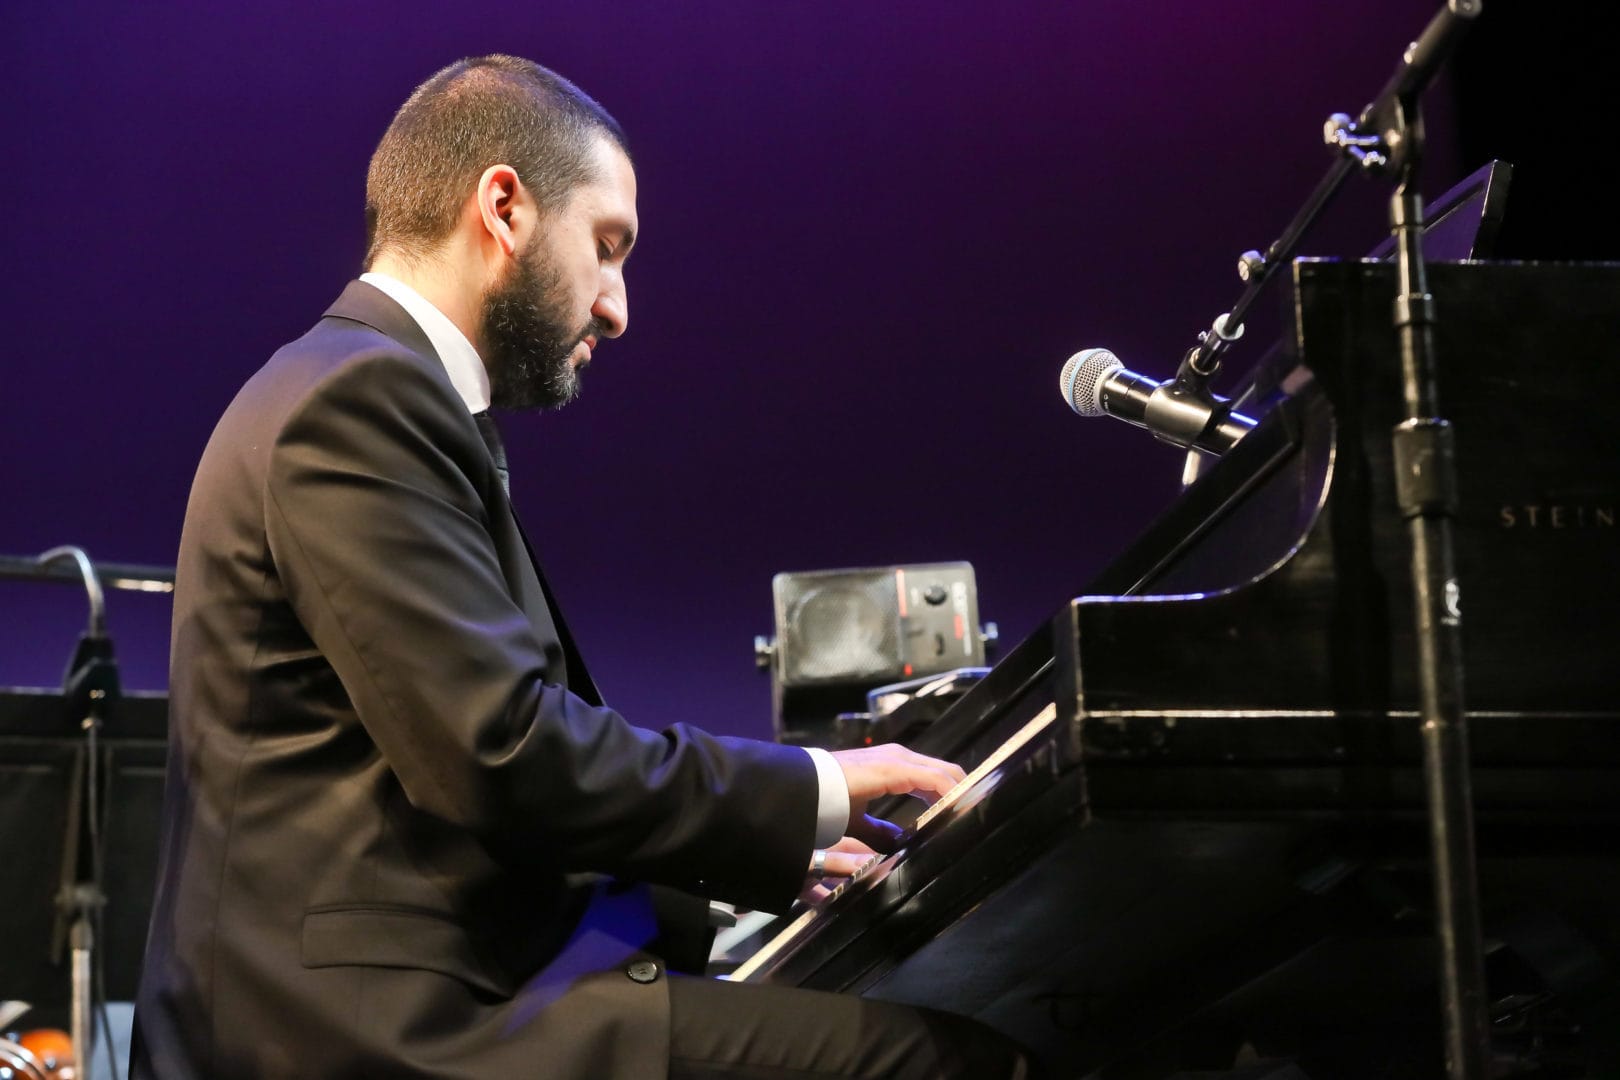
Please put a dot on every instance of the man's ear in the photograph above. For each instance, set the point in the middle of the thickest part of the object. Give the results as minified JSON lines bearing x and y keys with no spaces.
{"x":498,"y":196}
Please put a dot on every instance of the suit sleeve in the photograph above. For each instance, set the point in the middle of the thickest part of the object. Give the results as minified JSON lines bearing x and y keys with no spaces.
{"x":378,"y":528}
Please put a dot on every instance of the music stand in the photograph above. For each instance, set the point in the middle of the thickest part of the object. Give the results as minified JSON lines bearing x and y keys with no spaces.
{"x":73,"y":911}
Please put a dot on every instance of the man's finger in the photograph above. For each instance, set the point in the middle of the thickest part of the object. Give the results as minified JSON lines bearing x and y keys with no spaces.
{"x":890,"y":769}
{"x":882,"y":836}
{"x":853,"y":846}
{"x":955,"y":771}
{"x":844,"y":863}
{"x":833,"y":862}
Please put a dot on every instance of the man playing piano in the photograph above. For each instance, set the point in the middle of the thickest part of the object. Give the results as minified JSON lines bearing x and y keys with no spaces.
{"x":399,"y":823}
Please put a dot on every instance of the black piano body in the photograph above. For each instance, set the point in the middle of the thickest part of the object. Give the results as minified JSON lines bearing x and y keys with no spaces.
{"x":1199,"y":838}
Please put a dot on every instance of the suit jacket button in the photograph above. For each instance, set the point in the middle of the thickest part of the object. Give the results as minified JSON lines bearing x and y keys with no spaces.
{"x":642,"y":971}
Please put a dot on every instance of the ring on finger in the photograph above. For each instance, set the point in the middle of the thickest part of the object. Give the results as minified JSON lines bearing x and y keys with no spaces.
{"x":818,"y":864}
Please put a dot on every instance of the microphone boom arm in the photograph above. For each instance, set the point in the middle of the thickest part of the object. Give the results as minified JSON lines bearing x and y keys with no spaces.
{"x":1372,"y":142}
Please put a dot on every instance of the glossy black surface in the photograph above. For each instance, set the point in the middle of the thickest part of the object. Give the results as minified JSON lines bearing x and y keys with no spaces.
{"x":1221,"y":841}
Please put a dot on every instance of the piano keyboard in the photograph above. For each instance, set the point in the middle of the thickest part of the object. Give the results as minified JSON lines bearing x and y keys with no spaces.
{"x":967,"y":792}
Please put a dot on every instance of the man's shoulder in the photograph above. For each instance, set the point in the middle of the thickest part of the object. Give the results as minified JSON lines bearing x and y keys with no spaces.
{"x":363,"y":324}
{"x":359,"y":341}
{"x":342,"y":373}
{"x":334,"y":344}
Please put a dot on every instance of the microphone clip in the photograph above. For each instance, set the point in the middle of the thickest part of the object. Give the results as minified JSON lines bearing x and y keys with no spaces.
{"x":1184,"y":409}
{"x":91,"y":684}
{"x":1203,"y":360}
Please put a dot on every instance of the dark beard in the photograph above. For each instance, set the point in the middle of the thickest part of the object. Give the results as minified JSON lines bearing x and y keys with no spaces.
{"x":525,"y":338}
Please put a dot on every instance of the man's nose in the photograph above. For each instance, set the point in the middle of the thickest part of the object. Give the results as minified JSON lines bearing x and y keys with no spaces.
{"x":612,"y":308}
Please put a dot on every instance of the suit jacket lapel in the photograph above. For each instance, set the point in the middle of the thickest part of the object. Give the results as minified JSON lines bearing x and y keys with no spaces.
{"x":372,"y":307}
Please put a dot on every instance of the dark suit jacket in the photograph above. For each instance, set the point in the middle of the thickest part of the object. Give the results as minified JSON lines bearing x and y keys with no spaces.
{"x":378,"y":778}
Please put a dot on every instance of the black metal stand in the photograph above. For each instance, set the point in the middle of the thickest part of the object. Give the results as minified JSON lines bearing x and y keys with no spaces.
{"x":78,"y":907}
{"x":1426,"y":490}
{"x":152,"y":579}
{"x":90,"y":687}
{"x":1387,"y":138}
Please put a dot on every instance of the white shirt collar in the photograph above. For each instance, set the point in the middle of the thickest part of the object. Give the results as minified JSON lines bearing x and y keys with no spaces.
{"x":461,"y":361}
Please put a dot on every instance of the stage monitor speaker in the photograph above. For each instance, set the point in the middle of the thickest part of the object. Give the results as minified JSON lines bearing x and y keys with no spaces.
{"x":839,"y":633}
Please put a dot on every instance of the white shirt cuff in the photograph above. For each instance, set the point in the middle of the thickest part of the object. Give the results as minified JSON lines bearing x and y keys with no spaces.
{"x":832,"y":803}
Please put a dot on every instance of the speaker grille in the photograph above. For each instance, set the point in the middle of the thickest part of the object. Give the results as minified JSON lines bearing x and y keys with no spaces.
{"x":843,"y":628}
{"x":841,"y":632}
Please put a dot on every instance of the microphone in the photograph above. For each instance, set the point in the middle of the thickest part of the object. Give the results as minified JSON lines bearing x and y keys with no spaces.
{"x":1178,"y":411}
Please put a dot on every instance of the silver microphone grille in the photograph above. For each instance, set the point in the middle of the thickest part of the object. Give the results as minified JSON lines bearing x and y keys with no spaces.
{"x":1082,"y":378}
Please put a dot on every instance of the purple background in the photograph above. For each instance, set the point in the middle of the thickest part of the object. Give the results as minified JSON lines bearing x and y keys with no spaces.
{"x":871,"y":233}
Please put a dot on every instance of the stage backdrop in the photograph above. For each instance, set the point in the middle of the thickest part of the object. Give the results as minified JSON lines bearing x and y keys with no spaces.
{"x":871,"y":234}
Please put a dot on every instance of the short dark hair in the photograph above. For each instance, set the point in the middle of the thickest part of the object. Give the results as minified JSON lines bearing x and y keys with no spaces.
{"x":478,"y":112}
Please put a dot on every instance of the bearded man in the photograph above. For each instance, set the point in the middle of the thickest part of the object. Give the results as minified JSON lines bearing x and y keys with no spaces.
{"x":399,"y":822}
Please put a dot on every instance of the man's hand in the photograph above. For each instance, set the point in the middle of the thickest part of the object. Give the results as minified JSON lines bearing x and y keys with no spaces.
{"x":890,"y":769}
{"x":830,"y":869}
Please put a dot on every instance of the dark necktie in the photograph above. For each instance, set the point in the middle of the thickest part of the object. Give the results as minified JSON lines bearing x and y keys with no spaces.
{"x":497,"y":449}
{"x":579,"y":679}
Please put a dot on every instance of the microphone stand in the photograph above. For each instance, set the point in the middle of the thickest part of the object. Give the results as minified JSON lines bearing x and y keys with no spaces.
{"x":1426,"y":491}
{"x":89,"y":687}
{"x":1426,"y":487}
{"x":1386,"y":138}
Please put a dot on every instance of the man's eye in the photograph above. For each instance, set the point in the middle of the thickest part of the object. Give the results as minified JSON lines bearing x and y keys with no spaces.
{"x":603,"y":251}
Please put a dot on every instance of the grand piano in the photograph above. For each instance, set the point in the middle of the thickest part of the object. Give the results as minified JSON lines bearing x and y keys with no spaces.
{"x":1193,"y":839}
